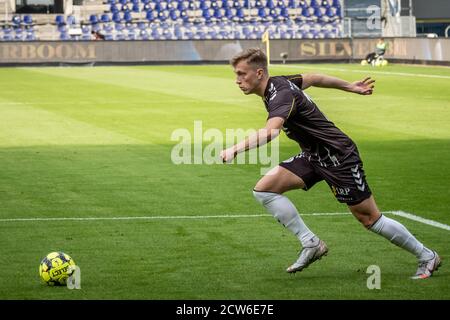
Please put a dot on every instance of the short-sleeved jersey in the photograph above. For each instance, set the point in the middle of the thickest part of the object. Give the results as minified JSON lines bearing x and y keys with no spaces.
{"x":318,"y":137}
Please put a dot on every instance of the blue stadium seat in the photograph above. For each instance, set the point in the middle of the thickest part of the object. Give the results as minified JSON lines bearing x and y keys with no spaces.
{"x":273,"y":14}
{"x":184,"y":16}
{"x":105,"y":18}
{"x":116,"y":17}
{"x":150,"y":16}
{"x":240,"y":14}
{"x":109,"y":36}
{"x":16,"y":20}
{"x":318,"y":12}
{"x":93,"y":19}
{"x":119,"y":36}
{"x":178,"y":33}
{"x":7,"y":37}
{"x":206,"y":15}
{"x":162,"y":16}
{"x":326,"y":4}
{"x":218,"y":13}
{"x":223,"y":4}
{"x":7,"y":33}
{"x":143,"y":35}
{"x":135,"y":7}
{"x":59,"y":20}
{"x":155,"y":34}
{"x":113,"y":8}
{"x":330,"y":12}
{"x":108,"y":28}
{"x":174,"y":14}
{"x":85,"y":36}
{"x":71,"y":20}
{"x":314,"y":4}
{"x":64,"y":36}
{"x":219,"y":19}
{"x":125,"y":8}
{"x":127,"y":16}
{"x":28,"y":19}
{"x":284,"y":13}
{"x":336,"y":4}
{"x":131,"y":35}
{"x":229,"y":13}
{"x":62,"y":28}
{"x":119,"y":26}
{"x":95,"y":27}
{"x":262,"y":13}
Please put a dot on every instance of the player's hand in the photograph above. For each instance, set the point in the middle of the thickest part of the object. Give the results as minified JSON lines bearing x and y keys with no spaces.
{"x":228,"y":155}
{"x":364,"y":87}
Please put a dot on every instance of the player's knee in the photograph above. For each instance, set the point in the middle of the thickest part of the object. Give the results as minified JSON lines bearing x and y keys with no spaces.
{"x":264,"y":197}
{"x":258,"y":196}
{"x":367,"y":220}
{"x":261,"y":185}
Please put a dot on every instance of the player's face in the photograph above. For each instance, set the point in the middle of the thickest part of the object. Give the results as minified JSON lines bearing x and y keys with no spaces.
{"x":248,"y":78}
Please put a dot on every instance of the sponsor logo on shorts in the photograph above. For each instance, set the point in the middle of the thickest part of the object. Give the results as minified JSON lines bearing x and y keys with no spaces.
{"x":340,"y":191}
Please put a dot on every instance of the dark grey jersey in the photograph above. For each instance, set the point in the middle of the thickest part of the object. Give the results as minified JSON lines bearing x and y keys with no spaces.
{"x":318,"y":137}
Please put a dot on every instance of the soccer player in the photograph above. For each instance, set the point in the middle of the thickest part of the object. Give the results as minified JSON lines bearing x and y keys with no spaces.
{"x":327,"y":154}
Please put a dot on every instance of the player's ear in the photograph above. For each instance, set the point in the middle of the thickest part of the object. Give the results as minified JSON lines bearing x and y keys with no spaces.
{"x":260,"y":73}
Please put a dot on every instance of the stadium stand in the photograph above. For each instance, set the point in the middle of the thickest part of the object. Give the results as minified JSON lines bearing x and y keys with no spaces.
{"x":183,"y":20}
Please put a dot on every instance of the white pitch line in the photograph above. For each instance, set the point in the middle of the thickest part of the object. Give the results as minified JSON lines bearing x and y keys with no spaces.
{"x":403,"y":214}
{"x":429,"y":222}
{"x":367,"y":72}
{"x":162,"y":217}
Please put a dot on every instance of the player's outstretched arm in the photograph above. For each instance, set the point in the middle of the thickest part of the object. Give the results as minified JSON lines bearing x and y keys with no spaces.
{"x":364,"y":87}
{"x":261,"y":137}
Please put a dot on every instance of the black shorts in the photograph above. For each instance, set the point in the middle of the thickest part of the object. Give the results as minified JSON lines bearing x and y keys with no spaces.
{"x":346,"y":180}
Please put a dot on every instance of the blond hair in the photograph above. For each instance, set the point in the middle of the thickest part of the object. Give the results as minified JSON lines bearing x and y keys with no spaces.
{"x":253,"y":56}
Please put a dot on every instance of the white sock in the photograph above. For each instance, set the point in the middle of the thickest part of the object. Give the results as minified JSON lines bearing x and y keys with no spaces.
{"x":396,"y":233}
{"x":285,"y":212}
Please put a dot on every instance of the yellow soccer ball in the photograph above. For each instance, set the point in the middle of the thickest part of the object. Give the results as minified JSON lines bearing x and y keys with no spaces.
{"x":53,"y":269}
{"x":384,"y":63}
{"x":364,"y":62}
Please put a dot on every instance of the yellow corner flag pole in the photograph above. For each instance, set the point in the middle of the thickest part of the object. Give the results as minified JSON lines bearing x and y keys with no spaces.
{"x":265,"y":39}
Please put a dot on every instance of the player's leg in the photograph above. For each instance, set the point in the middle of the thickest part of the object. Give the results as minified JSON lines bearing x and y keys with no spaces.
{"x":369,"y":215}
{"x":279,"y":180}
{"x":349,"y":185}
{"x":268,"y":191}
{"x":366,"y":212}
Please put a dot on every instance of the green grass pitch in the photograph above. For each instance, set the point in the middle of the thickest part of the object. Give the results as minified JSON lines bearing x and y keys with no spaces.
{"x":95,"y":142}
